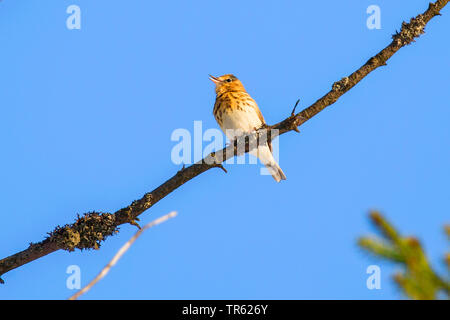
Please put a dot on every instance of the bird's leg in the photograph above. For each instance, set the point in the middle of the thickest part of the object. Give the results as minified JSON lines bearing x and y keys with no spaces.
{"x":232,"y":142}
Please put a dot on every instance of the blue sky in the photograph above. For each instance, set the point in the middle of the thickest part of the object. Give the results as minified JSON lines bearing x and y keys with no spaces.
{"x":86,"y":120}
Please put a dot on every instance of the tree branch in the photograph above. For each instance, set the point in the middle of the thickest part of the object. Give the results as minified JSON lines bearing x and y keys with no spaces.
{"x":88,"y":231}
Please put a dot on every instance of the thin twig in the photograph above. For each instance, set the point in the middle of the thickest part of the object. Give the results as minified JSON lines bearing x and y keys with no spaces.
{"x":120,"y":253}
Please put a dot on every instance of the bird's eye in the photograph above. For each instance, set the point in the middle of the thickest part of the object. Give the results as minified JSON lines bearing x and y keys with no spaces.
{"x":228,"y":80}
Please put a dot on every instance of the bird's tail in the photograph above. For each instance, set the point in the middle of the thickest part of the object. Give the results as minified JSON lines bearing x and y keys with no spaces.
{"x":265,"y":156}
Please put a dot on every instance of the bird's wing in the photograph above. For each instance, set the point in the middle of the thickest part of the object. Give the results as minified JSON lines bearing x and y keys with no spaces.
{"x":252,"y":103}
{"x":255,"y":107}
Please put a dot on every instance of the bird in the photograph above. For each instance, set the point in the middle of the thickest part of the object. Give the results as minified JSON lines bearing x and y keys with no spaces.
{"x":237,"y":113}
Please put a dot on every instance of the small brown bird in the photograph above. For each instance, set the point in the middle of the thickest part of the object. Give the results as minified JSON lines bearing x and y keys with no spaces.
{"x":237,"y":113}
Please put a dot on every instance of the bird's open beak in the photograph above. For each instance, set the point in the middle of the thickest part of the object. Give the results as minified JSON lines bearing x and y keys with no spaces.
{"x":214,"y":79}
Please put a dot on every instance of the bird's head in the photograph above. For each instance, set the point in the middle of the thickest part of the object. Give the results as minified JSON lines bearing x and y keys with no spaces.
{"x":227,"y":82}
